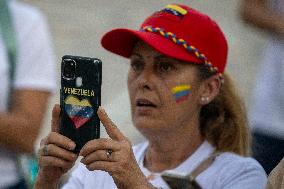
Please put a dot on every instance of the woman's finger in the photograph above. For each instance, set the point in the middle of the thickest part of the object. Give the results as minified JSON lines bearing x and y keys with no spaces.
{"x":99,"y":155}
{"x":99,"y":144}
{"x":60,"y":140}
{"x":111,"y":129}
{"x":101,"y":165}
{"x":55,"y":118}
{"x":55,"y":151}
{"x":50,"y":161}
{"x":43,"y":141}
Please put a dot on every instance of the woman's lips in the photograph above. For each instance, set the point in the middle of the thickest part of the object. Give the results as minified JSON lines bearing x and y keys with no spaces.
{"x":145,"y":103}
{"x":144,"y":107}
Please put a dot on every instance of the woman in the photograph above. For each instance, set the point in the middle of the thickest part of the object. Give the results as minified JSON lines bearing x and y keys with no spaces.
{"x":178,"y":103}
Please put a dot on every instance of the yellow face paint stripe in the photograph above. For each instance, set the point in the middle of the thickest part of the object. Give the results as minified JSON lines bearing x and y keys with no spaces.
{"x":177,"y":8}
{"x":180,"y":88}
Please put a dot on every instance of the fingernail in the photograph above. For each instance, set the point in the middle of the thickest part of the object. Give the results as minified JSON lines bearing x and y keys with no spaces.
{"x":102,"y":110}
{"x":72,"y":145}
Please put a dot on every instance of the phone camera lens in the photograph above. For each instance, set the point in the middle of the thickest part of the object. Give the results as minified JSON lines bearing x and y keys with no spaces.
{"x":69,"y":69}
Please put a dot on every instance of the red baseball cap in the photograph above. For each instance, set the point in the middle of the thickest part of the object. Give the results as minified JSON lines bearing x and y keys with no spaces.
{"x":176,"y":31}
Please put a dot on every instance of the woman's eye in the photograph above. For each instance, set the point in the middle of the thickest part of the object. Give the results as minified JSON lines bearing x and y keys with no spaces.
{"x":165,"y":67}
{"x":136,"y":65}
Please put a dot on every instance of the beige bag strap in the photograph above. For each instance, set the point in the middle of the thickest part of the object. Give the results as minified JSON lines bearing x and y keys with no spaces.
{"x":204,"y":165}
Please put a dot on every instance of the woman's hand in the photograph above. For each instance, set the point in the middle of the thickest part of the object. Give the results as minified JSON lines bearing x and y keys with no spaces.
{"x":55,"y":157}
{"x":114,"y":156}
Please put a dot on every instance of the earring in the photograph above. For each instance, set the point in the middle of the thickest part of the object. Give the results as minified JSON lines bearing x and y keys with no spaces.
{"x":204,"y":99}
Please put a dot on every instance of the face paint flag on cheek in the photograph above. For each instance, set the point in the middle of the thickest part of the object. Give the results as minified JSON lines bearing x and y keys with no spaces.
{"x":181,"y":92}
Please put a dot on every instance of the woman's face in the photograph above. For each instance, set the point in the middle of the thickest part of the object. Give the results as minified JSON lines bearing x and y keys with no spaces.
{"x":163,"y":91}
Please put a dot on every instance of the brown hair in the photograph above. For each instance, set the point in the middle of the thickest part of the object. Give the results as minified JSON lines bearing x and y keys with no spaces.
{"x":223,"y":122}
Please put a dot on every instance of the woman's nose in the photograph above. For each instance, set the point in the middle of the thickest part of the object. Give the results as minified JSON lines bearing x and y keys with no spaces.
{"x":146,"y":79}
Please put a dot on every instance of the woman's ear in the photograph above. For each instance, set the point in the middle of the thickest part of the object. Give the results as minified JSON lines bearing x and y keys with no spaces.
{"x":209,"y":89}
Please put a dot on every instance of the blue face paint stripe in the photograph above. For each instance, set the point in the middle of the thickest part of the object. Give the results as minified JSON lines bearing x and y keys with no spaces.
{"x":181,"y":94}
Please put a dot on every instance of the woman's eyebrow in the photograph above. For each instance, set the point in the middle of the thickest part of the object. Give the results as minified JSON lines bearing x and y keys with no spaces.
{"x":173,"y":60}
{"x":165,"y":58}
{"x":161,"y":56}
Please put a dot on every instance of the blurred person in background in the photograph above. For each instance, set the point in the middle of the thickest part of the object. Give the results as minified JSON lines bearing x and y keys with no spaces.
{"x":267,"y":110}
{"x":193,"y":122}
{"x":24,"y":42}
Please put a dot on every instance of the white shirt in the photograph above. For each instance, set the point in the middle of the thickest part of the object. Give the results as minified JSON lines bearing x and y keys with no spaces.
{"x":35,"y":69}
{"x":267,"y":110}
{"x":228,"y":171}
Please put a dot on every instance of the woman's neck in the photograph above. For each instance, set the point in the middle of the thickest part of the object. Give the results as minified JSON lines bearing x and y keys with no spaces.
{"x":171,"y":149}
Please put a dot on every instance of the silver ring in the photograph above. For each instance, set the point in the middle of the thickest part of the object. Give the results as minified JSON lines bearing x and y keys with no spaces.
{"x":45,"y":150}
{"x":108,"y":153}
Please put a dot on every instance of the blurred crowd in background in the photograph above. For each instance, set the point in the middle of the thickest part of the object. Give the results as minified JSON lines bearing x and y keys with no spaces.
{"x":76,"y":28}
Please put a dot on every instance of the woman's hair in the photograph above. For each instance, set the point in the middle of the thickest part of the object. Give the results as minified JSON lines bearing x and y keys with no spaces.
{"x":223,"y":122}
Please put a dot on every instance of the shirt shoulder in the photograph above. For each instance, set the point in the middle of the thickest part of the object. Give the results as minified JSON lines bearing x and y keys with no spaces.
{"x":35,"y":67}
{"x":233,"y":171}
{"x":24,"y":11}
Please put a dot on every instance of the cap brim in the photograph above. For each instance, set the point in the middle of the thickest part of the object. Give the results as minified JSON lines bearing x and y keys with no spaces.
{"x":122,"y":41}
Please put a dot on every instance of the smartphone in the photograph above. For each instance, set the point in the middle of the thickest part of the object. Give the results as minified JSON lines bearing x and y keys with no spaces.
{"x":176,"y":181}
{"x":80,"y":97}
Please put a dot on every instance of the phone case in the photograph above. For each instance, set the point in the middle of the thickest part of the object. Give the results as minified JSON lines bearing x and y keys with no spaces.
{"x":80,"y":97}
